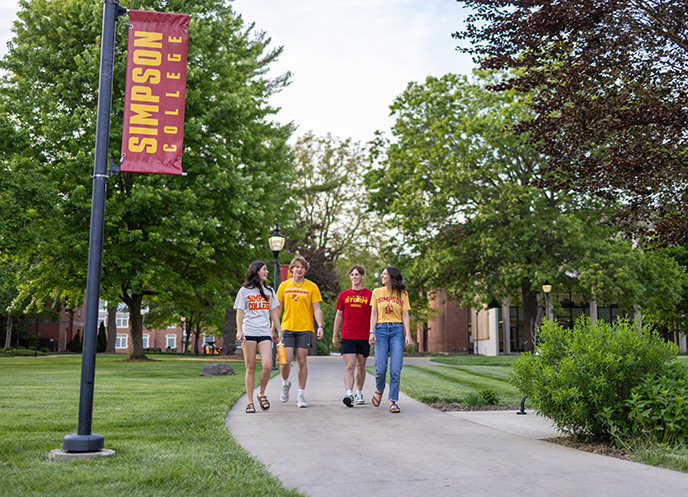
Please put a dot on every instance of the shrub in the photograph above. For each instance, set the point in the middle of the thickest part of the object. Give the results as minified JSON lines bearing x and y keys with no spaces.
{"x":474,"y":399}
{"x":75,"y":344}
{"x":659,"y":406}
{"x":101,"y":341}
{"x":490,"y":396}
{"x":582,"y":378}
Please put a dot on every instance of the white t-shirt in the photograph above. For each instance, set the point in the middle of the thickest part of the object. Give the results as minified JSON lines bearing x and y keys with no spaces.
{"x":256,"y":310}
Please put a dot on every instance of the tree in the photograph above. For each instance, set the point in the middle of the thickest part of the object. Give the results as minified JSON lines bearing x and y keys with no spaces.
{"x":459,"y":186}
{"x":609,"y":96}
{"x":162,"y":233}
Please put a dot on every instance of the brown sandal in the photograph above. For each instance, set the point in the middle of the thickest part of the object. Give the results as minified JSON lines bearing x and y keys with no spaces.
{"x":393,"y":407}
{"x":250,"y":408}
{"x":263,"y":401}
{"x":377,"y":398}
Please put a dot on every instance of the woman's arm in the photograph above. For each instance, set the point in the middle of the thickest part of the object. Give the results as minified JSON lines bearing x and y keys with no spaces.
{"x":373,"y":322}
{"x":240,"y":325}
{"x":406,"y":321}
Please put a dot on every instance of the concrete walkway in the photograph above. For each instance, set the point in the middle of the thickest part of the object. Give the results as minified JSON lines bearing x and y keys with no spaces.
{"x":329,"y":450}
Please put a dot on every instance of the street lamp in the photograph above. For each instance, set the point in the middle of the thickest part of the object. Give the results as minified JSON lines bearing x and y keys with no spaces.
{"x":276,"y":243}
{"x":546,"y":288}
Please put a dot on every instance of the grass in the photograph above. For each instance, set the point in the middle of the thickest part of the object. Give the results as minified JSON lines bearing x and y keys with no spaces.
{"x":165,"y":422}
{"x":458,"y":378}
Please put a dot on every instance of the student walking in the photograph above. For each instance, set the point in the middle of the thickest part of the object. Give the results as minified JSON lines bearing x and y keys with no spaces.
{"x":255,"y":304}
{"x":390,"y":330}
{"x":300,"y":300}
{"x":353,"y":316}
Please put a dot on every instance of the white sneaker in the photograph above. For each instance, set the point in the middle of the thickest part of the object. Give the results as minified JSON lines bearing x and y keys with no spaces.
{"x":284,"y":396}
{"x":301,"y":402}
{"x":348,"y":400}
{"x":359,"y":399}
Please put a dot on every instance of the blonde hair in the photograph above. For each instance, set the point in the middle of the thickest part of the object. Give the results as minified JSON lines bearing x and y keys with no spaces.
{"x":299,"y":260}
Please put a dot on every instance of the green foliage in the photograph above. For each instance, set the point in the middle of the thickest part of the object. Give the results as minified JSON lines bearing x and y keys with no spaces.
{"x":582,"y":378}
{"x":75,"y":344}
{"x":101,"y":344}
{"x":490,"y":396}
{"x":21,"y":352}
{"x":184,"y":240}
{"x":659,"y":407}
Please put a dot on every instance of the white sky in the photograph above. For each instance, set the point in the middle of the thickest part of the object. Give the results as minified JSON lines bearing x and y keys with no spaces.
{"x":349,"y":58}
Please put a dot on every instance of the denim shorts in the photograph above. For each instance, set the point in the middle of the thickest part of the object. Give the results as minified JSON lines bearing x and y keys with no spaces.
{"x":297,"y":339}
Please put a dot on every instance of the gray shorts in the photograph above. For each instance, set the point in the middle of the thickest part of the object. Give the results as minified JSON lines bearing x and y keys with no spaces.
{"x":297,"y":339}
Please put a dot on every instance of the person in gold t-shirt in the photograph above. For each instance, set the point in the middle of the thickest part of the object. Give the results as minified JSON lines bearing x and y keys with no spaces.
{"x":300,"y":299}
{"x":390,"y":330}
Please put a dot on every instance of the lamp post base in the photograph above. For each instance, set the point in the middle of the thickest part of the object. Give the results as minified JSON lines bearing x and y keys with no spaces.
{"x":61,"y":455}
{"x":83,"y":443}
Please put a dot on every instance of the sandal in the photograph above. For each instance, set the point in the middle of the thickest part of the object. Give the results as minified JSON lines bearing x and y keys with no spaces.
{"x":393,"y":407}
{"x":250,"y":408}
{"x":377,"y":397}
{"x":263,"y":401}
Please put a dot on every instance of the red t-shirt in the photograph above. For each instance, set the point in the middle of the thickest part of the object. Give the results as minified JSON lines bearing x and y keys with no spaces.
{"x":355,"y":307}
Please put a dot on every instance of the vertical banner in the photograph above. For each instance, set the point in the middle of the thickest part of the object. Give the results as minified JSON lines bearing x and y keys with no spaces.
{"x":153,"y":137}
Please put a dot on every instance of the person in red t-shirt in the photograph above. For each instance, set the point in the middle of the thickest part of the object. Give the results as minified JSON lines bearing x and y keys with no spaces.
{"x":353,"y":316}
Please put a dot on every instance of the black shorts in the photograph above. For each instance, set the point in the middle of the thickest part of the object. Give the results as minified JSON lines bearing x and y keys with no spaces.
{"x":258,"y":339}
{"x":297,"y":339}
{"x":355,"y":346}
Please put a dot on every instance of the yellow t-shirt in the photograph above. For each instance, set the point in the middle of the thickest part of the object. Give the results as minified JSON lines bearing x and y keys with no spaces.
{"x":297,"y":300}
{"x":389,"y":305}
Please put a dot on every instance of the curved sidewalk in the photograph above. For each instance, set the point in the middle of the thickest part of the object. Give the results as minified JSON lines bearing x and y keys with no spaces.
{"x":329,"y":449}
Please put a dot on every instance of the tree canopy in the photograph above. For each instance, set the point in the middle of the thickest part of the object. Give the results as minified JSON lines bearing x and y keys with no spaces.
{"x":609,"y":96}
{"x":164,"y":235}
{"x":460,"y":188}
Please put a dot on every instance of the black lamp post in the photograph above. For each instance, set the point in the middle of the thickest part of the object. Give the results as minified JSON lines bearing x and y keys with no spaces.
{"x":546,"y":288}
{"x":276,"y":243}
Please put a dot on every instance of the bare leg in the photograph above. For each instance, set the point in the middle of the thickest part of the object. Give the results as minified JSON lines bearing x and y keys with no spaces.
{"x":350,"y":366}
{"x":360,"y":371}
{"x":286,"y":368}
{"x":249,"y":348}
{"x":265,"y":351}
{"x":301,"y":356}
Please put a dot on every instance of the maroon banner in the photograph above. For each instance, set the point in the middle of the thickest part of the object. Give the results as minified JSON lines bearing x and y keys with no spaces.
{"x":153,"y":137}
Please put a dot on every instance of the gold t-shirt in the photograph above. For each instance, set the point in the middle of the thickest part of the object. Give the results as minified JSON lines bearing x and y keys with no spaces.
{"x":297,"y":301}
{"x":389,"y":304}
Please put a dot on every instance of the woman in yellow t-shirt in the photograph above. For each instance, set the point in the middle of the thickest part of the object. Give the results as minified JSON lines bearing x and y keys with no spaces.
{"x":390,"y":330}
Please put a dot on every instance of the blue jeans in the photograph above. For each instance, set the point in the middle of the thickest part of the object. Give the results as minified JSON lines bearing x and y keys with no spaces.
{"x":389,"y":339}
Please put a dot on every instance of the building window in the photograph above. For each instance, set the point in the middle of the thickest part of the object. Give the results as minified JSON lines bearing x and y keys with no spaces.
{"x":78,"y":312}
{"x":122,"y":342}
{"x":122,"y":321}
{"x":100,"y":320}
{"x":145,"y":341}
{"x":171,"y":341}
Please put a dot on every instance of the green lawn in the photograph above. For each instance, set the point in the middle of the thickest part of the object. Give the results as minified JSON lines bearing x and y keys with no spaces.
{"x":165,"y":422}
{"x":457,"y":377}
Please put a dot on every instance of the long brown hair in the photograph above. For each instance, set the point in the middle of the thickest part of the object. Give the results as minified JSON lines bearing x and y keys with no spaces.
{"x":396,"y":280}
{"x":253,"y":278}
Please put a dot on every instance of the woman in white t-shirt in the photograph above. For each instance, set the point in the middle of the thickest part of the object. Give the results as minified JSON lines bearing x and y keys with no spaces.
{"x":255,"y":304}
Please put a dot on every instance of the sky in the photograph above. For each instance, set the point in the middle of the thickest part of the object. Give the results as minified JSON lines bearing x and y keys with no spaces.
{"x":349,"y":58}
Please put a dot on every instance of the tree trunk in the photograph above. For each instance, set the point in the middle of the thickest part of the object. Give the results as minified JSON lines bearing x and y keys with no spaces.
{"x":8,"y":333}
{"x":197,"y":332}
{"x":638,"y":318}
{"x":530,"y":314}
{"x":593,"y":308}
{"x":111,"y":329}
{"x":506,"y":327}
{"x":187,"y":331}
{"x":229,"y":335}
{"x":136,"y":327}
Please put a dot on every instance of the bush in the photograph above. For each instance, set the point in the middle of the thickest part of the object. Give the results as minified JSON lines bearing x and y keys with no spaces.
{"x":20,"y":352}
{"x":490,"y":396}
{"x":659,"y":407}
{"x":75,"y":344}
{"x":101,"y":341}
{"x":582,"y":378}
